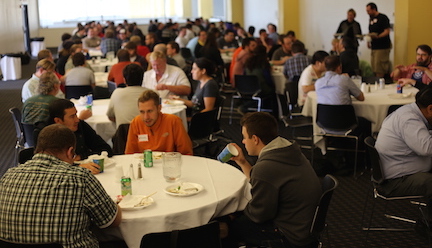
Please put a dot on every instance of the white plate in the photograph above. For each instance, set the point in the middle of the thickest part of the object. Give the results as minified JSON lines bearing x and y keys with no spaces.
{"x":172,"y":102}
{"x":400,"y":96}
{"x":107,"y":162}
{"x":147,"y":202}
{"x":190,"y":189}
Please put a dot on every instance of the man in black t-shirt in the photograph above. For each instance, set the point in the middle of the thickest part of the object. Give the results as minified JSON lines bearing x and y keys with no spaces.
{"x":379,"y":31}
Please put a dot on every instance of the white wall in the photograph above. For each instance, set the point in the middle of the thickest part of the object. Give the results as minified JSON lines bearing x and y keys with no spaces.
{"x":11,"y":34}
{"x":259,"y":13}
{"x":320,"y":20}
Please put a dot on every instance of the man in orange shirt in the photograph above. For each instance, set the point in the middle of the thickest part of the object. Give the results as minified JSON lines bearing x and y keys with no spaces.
{"x":156,"y":131}
{"x":116,"y":72}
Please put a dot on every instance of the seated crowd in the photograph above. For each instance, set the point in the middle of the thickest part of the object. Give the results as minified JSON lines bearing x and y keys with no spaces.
{"x":187,"y":64}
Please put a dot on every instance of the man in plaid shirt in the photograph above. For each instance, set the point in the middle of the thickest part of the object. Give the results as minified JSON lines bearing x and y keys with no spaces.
{"x":295,"y":65}
{"x":47,"y":200}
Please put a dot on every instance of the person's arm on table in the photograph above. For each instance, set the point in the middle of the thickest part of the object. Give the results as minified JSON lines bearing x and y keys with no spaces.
{"x":307,"y":88}
{"x":176,"y":89}
{"x":241,"y":161}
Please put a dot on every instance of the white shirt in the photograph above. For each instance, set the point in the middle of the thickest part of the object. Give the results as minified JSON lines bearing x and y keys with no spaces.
{"x":173,"y":75}
{"x":308,"y":77}
{"x":30,"y":88}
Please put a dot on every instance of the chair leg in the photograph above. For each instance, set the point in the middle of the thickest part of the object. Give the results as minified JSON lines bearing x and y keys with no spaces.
{"x":355,"y":158}
{"x":231,"y":110}
{"x":259,"y":104}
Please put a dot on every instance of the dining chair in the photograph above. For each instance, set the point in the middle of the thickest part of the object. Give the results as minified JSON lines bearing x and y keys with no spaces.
{"x":19,"y":130}
{"x":338,"y":121}
{"x":201,"y":127}
{"x":28,"y":130}
{"x":247,"y":87}
{"x":291,"y":88}
{"x":198,"y":237}
{"x":25,"y":154}
{"x":111,"y":86}
{"x":329,"y":184}
{"x":120,"y":138}
{"x":6,"y":244}
{"x":77,"y":91}
{"x":377,"y":179}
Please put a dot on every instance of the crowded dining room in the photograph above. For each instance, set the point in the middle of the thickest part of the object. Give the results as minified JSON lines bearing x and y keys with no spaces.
{"x":215,"y":124}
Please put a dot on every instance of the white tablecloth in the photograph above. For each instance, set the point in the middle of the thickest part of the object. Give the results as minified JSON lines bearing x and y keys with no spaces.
{"x":10,"y":68}
{"x":102,"y":65}
{"x":226,"y":190}
{"x":36,"y":46}
{"x":95,"y":52}
{"x":374,"y":108}
{"x":279,"y":79}
{"x":106,"y":128}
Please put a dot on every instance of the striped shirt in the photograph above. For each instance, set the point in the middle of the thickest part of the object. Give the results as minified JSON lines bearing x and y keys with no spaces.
{"x":46,"y":200}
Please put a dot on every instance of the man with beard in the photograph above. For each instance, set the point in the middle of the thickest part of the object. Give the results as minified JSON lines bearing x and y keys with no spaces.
{"x":418,"y":73}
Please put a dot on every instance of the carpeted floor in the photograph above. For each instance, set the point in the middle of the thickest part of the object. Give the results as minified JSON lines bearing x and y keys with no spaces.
{"x":345,"y":213}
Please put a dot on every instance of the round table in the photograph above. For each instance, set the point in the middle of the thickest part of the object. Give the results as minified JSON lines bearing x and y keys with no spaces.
{"x":374,"y":108}
{"x":106,"y":128}
{"x":102,"y":65}
{"x":226,"y":190}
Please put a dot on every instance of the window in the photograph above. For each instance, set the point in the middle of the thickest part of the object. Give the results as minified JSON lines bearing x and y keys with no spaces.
{"x":54,"y":13}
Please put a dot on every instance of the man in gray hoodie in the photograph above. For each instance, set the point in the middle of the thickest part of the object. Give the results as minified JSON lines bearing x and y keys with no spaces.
{"x":285,"y":189}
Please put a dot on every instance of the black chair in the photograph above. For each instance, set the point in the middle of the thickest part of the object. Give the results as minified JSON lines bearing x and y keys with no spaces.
{"x":25,"y":155}
{"x":377,"y":179}
{"x":338,"y":121}
{"x":201,"y":127}
{"x":248,"y":87}
{"x":111,"y":86}
{"x":120,"y":138}
{"x":198,"y":237}
{"x":100,"y":92}
{"x":329,"y":184}
{"x":393,"y":108}
{"x":29,"y":134}
{"x":20,"y":139}
{"x":292,"y":92}
{"x":5,"y":244}
{"x":77,"y":91}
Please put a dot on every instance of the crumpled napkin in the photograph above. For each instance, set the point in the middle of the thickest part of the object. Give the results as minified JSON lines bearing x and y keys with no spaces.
{"x":132,"y":201}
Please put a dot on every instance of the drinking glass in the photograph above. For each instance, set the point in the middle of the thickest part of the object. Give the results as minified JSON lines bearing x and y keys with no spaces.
{"x":171,"y":166}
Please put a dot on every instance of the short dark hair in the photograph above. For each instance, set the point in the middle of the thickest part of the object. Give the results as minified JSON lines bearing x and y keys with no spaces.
{"x":66,"y":36}
{"x":332,"y":62}
{"x":229,"y":31}
{"x":251,"y":30}
{"x":123,"y":55}
{"x":319,"y":56}
{"x":348,"y":42}
{"x":246,"y":42}
{"x":372,"y":6}
{"x":297,"y":47}
{"x":424,"y":97}
{"x":131,"y":45}
{"x":133,"y":74}
{"x":78,"y":59}
{"x":57,"y":109}
{"x":44,"y":54}
{"x":290,"y":33}
{"x":55,"y":138}
{"x":262,"y":31}
{"x":425,"y":48}
{"x":174,"y":45}
{"x":274,"y":26}
{"x":204,"y":63}
{"x":261,"y":124}
{"x":148,"y":95}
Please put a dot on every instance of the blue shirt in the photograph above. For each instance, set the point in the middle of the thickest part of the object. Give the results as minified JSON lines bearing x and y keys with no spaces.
{"x":405,"y":143}
{"x":335,"y":89}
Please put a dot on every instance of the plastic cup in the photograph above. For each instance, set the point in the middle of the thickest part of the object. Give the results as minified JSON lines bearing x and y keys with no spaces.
{"x":171,"y":166}
{"x":227,"y":153}
{"x":100,"y":160}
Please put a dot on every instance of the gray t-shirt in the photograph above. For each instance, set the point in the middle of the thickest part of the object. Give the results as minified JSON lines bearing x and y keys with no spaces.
{"x":210,"y":89}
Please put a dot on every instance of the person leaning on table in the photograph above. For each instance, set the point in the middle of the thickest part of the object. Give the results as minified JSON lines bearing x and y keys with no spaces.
{"x":156,"y":131}
{"x":47,"y":200}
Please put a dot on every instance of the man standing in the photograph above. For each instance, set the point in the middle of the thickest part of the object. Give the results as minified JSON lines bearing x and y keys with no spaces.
{"x":152,"y":129}
{"x":47,"y":200}
{"x":285,"y":189}
{"x":122,"y":107}
{"x":283,"y":53}
{"x":166,"y":79}
{"x":379,"y":29}
{"x":350,"y":28}
{"x":420,"y":72}
{"x":404,"y":144}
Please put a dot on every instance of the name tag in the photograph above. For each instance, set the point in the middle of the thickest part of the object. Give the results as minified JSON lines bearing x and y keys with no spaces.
{"x":143,"y":138}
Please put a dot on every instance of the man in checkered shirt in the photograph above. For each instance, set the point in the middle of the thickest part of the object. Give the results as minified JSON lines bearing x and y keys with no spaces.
{"x":48,"y":200}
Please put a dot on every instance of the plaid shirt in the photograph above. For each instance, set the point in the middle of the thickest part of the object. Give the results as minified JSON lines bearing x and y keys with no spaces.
{"x":295,"y":65}
{"x":47,"y":200}
{"x":110,"y":45}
